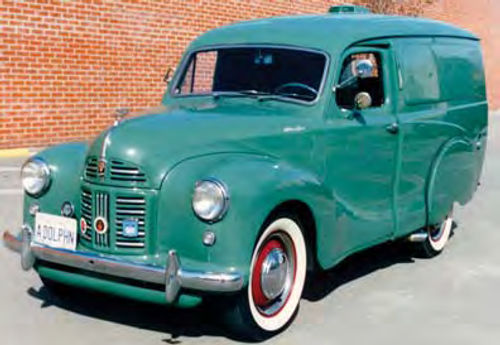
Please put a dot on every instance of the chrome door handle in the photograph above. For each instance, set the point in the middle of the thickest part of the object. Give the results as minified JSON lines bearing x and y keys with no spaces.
{"x":393,"y":128}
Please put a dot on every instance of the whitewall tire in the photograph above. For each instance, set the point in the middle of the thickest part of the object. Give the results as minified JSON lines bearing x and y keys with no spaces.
{"x":437,"y":238}
{"x":277,"y":277}
{"x":283,"y":229}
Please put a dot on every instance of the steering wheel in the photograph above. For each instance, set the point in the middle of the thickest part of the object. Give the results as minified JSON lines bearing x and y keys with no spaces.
{"x":297,"y":85}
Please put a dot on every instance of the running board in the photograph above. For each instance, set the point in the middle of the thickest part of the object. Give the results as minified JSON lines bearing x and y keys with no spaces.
{"x":419,"y":236}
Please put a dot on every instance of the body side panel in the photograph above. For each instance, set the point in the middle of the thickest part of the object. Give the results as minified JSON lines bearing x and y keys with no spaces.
{"x":454,"y":112}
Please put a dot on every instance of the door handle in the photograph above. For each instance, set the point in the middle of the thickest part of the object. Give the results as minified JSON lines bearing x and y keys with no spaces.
{"x":393,"y":128}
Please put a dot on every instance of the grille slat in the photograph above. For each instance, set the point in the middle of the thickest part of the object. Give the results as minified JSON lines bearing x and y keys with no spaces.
{"x":130,"y":244}
{"x":130,"y":201}
{"x":119,"y":223}
{"x":141,"y":234}
{"x":126,"y":171}
{"x":130,"y":212}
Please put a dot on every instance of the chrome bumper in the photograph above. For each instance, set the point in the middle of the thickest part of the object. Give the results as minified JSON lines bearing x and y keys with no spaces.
{"x":173,"y":276}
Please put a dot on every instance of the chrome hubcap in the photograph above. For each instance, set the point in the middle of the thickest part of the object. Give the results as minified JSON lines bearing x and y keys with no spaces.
{"x":274,"y":273}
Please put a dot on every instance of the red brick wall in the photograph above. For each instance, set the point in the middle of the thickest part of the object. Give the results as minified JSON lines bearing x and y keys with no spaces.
{"x":66,"y":66}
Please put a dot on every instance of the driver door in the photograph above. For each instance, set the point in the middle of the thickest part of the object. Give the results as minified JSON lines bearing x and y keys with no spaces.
{"x":361,"y":151}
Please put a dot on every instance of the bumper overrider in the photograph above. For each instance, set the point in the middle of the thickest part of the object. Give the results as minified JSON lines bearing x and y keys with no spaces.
{"x":173,"y":276}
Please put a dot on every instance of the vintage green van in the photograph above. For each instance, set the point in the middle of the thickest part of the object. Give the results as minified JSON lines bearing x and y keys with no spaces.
{"x":283,"y":146}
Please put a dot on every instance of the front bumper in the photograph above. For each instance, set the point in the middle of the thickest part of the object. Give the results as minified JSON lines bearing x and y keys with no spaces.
{"x":173,"y":276}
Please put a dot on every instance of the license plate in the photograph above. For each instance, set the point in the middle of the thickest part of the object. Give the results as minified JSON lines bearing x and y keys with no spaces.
{"x":55,"y":231}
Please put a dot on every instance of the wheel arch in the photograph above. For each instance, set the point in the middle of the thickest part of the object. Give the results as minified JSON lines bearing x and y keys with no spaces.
{"x":452,"y":178}
{"x":304,"y":214}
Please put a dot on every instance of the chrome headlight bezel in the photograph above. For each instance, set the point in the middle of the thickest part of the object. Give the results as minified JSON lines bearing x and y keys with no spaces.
{"x":220,"y":206}
{"x":45,"y":180}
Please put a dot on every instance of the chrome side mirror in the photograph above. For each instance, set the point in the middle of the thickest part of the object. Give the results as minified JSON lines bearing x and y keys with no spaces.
{"x":167,"y":78}
{"x":362,"y":100}
{"x":364,"y":68}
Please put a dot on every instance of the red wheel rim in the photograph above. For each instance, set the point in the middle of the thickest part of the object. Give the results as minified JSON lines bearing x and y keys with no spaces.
{"x":271,"y":307}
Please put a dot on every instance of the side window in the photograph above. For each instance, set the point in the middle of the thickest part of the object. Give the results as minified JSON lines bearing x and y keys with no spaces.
{"x":420,"y":74}
{"x":352,"y":84}
{"x":460,"y":68}
{"x":199,"y":77}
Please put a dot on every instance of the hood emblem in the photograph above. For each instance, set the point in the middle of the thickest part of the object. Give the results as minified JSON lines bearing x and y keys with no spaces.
{"x":101,"y":167}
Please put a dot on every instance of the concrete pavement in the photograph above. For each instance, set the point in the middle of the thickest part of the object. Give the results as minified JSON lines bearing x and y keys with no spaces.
{"x":382,"y":296}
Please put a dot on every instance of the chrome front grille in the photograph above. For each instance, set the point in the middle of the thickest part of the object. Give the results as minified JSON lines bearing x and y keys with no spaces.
{"x":86,"y":207}
{"x":130,"y":208}
{"x":115,"y":171}
{"x":121,"y":171}
{"x":101,"y":209}
{"x":115,"y":208}
{"x":91,"y":168}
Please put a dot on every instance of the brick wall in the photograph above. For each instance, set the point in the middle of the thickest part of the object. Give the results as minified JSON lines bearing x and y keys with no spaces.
{"x":66,"y":66}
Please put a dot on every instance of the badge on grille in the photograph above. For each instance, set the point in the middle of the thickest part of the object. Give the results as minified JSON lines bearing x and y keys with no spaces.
{"x":101,"y":225}
{"x":101,"y":167}
{"x":130,"y":228}
{"x":83,"y":225}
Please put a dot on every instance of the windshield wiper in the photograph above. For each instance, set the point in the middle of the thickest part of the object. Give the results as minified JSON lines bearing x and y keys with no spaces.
{"x":286,"y":97}
{"x":240,"y":93}
{"x":264,"y":96}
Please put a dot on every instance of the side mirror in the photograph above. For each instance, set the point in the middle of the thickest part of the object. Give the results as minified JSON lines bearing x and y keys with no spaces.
{"x":364,"y":68}
{"x":167,"y":78}
{"x":362,"y":100}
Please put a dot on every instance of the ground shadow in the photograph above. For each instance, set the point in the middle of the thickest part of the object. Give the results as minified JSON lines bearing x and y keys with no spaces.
{"x":357,"y":266}
{"x":175,"y":323}
{"x":202,"y":321}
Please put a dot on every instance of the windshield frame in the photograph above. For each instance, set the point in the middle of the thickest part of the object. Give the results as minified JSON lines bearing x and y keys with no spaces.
{"x":184,"y":65}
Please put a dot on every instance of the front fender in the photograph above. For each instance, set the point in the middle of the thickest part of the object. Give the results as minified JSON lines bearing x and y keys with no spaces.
{"x":256,"y":186}
{"x":66,"y":163}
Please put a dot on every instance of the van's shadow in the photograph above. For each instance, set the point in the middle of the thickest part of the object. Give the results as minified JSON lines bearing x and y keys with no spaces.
{"x":357,"y":266}
{"x":178,"y":323}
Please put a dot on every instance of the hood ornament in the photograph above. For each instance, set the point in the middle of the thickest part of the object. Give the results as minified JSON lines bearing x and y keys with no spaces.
{"x":120,"y":115}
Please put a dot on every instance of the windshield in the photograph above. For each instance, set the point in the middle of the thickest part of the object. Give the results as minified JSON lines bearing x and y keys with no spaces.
{"x":253,"y":72}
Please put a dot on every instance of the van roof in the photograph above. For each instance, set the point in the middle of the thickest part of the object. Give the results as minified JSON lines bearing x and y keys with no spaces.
{"x":330,"y":32}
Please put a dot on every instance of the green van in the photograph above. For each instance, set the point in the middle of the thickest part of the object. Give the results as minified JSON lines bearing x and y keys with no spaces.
{"x":282,"y":146}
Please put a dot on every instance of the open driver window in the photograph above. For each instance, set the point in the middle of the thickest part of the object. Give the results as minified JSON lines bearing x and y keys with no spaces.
{"x":372,"y":84}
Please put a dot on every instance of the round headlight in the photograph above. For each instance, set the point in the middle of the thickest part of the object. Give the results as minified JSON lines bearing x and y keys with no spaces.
{"x":210,"y":200}
{"x":35,"y":176}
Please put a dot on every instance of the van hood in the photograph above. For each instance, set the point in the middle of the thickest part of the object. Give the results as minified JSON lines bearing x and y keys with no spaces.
{"x":156,"y":143}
